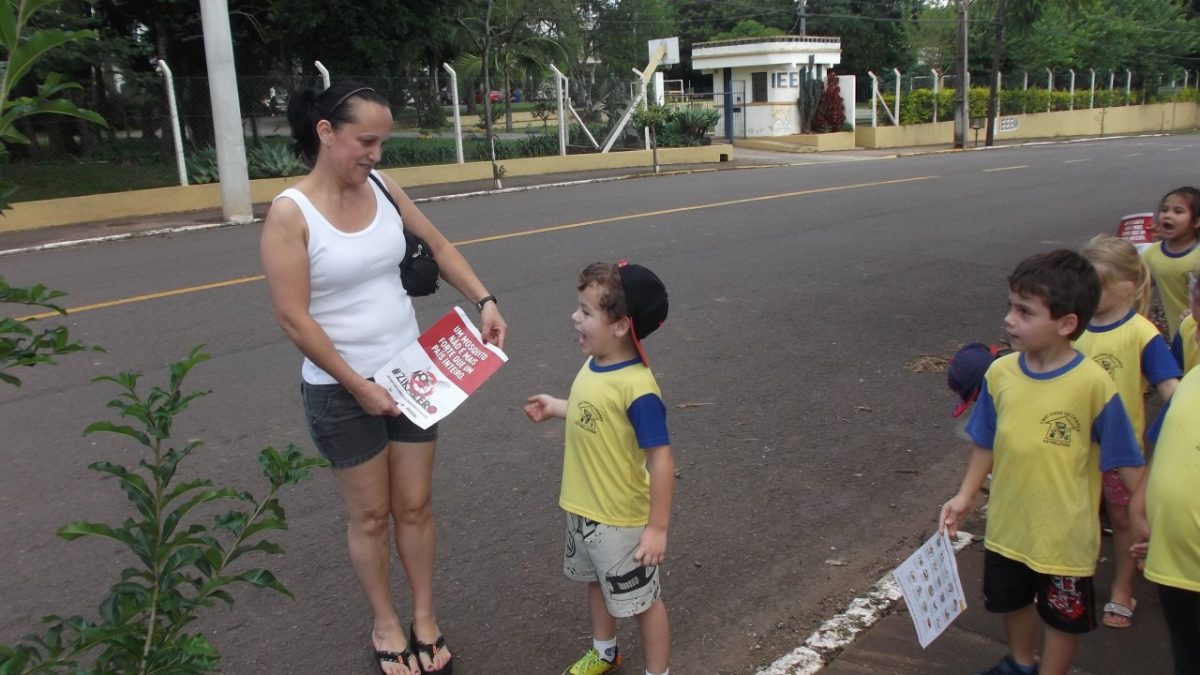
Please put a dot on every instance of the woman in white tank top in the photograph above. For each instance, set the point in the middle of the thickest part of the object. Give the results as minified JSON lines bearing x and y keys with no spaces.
{"x":331,"y":248}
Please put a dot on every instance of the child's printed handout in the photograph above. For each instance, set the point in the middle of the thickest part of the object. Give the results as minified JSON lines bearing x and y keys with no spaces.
{"x":431,"y":377}
{"x":932,"y":588}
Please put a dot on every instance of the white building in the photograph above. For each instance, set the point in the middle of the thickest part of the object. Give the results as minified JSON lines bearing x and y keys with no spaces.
{"x":763,"y":74}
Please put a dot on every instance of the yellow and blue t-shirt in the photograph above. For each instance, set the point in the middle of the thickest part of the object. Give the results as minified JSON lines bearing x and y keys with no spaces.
{"x":1184,"y":347}
{"x":1172,"y":500}
{"x":1132,"y":352}
{"x":613,"y":414}
{"x":1051,"y":435}
{"x":1171,"y":272}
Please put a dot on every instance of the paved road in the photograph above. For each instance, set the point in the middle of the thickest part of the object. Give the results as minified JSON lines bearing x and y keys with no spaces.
{"x":805,"y":428}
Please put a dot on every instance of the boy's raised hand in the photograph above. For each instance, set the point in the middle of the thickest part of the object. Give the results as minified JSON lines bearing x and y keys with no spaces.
{"x":542,"y":407}
{"x":652,"y":547}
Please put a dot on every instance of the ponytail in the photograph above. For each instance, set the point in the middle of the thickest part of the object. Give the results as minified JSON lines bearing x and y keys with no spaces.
{"x":307,"y":107}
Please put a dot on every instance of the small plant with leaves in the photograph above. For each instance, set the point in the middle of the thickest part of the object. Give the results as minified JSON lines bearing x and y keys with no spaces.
{"x":20,"y":345}
{"x":181,"y":566}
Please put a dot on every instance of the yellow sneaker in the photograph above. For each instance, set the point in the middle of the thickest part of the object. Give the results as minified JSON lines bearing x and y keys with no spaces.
{"x":591,"y":664}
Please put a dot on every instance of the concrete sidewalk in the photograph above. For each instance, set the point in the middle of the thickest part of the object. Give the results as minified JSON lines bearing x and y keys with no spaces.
{"x":975,"y":641}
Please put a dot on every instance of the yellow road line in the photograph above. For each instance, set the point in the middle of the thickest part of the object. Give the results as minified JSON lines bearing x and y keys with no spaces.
{"x":499,"y":237}
{"x":1073,"y":161}
{"x":148,"y":296}
{"x":684,"y":209}
{"x":1007,"y":168}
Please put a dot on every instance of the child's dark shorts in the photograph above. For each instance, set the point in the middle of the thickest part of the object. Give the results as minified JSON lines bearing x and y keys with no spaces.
{"x":347,"y":435}
{"x":1067,"y":604}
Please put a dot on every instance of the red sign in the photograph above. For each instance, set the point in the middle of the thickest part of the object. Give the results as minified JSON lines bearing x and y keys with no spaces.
{"x":1137,"y":228}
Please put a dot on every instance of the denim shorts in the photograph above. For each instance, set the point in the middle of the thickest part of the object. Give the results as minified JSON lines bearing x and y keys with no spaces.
{"x":347,"y":435}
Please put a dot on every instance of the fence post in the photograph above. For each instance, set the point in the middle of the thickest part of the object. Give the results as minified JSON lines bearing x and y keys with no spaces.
{"x":458,"y":150}
{"x":1112,"y":81}
{"x":935,"y":92}
{"x":874,"y":97}
{"x":1049,"y":90}
{"x":1128,"y":83}
{"x":173,"y":109}
{"x":1071,"y":105}
{"x":561,"y":90}
{"x":1024,"y":87}
{"x":324,"y":73}
{"x":897,"y":72}
{"x":1092,"y":95}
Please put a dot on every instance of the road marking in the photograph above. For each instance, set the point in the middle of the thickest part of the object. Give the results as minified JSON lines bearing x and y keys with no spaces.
{"x":833,"y":636}
{"x":1172,"y":149}
{"x":1134,"y":154}
{"x":1073,"y":161}
{"x":1007,"y":168}
{"x":685,"y":209}
{"x":148,"y":296}
{"x":500,"y":237}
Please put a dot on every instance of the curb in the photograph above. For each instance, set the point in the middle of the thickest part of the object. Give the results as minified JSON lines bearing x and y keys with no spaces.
{"x":833,"y":636}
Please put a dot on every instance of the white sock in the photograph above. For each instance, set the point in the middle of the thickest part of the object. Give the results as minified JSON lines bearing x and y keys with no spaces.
{"x":665,"y":672}
{"x":607,"y":649}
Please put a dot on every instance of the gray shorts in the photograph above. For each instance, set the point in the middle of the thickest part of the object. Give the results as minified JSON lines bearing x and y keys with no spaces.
{"x":347,"y":435}
{"x":604,"y":554}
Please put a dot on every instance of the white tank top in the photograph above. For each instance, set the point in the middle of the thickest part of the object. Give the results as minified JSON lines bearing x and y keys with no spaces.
{"x":355,"y":291}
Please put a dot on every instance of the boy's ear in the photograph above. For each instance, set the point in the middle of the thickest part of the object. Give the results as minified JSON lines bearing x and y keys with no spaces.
{"x":1067,"y":324}
{"x":621,"y":326}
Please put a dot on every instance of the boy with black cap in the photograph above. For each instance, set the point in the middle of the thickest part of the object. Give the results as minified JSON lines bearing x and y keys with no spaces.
{"x":618,"y":472}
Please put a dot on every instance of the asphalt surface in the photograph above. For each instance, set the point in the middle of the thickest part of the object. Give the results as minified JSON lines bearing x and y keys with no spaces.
{"x":810,"y":307}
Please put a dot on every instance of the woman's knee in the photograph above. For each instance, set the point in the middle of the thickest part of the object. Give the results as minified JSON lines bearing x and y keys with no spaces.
{"x":412,"y":511}
{"x":371,"y":521}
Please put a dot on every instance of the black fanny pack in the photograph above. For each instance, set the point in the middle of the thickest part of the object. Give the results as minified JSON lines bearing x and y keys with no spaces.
{"x":418,"y":270}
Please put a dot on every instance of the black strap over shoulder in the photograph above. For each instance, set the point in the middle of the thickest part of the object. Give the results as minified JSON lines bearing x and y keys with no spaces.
{"x":418,"y":271}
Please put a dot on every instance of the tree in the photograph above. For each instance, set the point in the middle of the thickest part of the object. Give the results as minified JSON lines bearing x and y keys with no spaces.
{"x":872,"y":32}
{"x":21,"y":53}
{"x":831,"y":112}
{"x":747,"y":28}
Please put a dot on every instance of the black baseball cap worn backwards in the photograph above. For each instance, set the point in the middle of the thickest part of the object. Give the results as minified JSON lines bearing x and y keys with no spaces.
{"x":645,"y":302}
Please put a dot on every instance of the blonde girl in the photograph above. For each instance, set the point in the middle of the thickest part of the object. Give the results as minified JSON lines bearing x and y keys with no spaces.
{"x":1173,"y":259}
{"x":1128,"y":346}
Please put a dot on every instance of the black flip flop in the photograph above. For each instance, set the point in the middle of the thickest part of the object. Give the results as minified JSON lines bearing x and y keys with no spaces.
{"x":403,"y":658}
{"x":431,"y":651}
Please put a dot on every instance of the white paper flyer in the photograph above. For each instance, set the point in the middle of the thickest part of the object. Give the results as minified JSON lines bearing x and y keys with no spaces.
{"x":932,"y":587}
{"x":431,"y":377}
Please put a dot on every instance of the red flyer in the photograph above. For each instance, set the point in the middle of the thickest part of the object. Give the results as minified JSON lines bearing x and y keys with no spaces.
{"x":1137,"y":228}
{"x":431,"y":377}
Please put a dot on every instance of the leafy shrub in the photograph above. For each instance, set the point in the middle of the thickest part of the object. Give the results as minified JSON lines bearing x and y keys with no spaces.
{"x":20,"y":346}
{"x":202,"y":166}
{"x":273,"y":160}
{"x":693,"y":124}
{"x":181,"y":565}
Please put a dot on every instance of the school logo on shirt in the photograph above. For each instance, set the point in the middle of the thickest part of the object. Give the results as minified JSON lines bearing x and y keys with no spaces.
{"x":589,"y":417}
{"x":1109,"y":363}
{"x":1060,"y":426}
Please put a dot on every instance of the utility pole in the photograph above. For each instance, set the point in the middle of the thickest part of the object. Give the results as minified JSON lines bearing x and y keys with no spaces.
{"x":997,"y":50}
{"x":803,"y":17}
{"x":227,"y":112}
{"x":962,"y":112}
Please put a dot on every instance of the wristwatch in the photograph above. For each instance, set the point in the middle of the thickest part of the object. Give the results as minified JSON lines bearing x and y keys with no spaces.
{"x":485,"y":300}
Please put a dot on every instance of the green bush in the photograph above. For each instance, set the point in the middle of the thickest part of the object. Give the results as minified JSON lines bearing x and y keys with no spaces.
{"x":692,"y":125}
{"x":202,"y":166}
{"x":916,"y":107}
{"x":181,"y":566}
{"x":273,"y":160}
